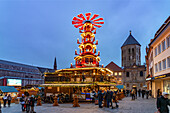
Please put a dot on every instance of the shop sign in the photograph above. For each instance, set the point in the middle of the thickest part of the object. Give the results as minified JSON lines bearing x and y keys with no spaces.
{"x":148,"y":79}
{"x":161,"y":76}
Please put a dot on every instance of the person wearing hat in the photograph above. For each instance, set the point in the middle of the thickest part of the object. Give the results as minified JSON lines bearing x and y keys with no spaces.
{"x":163,"y":102}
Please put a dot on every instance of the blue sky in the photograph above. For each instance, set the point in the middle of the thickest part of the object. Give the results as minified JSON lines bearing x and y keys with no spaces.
{"x":33,"y":32}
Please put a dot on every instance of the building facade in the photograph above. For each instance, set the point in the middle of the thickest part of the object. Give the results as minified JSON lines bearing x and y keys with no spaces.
{"x":16,"y":74}
{"x":158,"y":60}
{"x":117,"y":72}
{"x":134,"y":72}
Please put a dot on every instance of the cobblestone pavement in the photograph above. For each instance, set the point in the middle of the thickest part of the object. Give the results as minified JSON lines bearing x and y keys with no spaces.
{"x":125,"y":106}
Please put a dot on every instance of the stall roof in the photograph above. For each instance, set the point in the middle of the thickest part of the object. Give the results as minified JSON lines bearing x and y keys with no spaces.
{"x":65,"y":85}
{"x":6,"y":89}
{"x":120,"y":86}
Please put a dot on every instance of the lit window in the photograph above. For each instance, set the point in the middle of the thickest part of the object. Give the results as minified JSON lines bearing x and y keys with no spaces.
{"x":115,"y":73}
{"x":120,"y":73}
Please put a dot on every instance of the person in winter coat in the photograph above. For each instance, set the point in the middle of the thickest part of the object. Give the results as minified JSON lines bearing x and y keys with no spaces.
{"x":9,"y":98}
{"x":27,"y":102}
{"x":133,"y":94}
{"x":22,"y":101}
{"x":115,"y":99}
{"x":5,"y":99}
{"x":100,"y":98}
{"x":32,"y":102}
{"x":143,"y":93}
{"x":92,"y":94}
{"x":108,"y":98}
{"x":147,"y":94}
{"x":139,"y":92}
{"x":163,"y":102}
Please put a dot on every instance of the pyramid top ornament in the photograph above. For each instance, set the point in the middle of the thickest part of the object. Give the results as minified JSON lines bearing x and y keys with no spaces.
{"x":86,"y":23}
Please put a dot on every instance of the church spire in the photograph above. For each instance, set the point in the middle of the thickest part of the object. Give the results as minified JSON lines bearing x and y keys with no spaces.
{"x":55,"y":64}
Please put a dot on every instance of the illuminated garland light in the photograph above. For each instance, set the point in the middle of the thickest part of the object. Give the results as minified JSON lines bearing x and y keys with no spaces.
{"x":87,"y":26}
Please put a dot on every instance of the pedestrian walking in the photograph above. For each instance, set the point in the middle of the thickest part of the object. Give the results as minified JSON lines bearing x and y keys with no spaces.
{"x":139,"y":92}
{"x":5,"y":99}
{"x":9,"y":98}
{"x":92,"y":94}
{"x":22,"y":101}
{"x":115,"y":100}
{"x":27,"y":103}
{"x":136,"y":92}
{"x":32,"y":102}
{"x":133,"y":94}
{"x":108,"y":98}
{"x":111,"y":94}
{"x":159,"y":93}
{"x":147,"y":94}
{"x":163,"y":102}
{"x":143,"y":93}
{"x":127,"y":92}
{"x":100,"y":98}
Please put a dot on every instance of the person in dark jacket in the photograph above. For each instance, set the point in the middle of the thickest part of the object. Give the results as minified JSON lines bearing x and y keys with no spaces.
{"x":100,"y":98}
{"x":5,"y":99}
{"x":159,"y":93}
{"x":32,"y":101}
{"x":108,"y":98}
{"x":139,"y":92}
{"x":143,"y":93}
{"x":147,"y":94}
{"x":163,"y":102}
{"x":115,"y":100}
{"x":9,"y":98}
{"x":22,"y":102}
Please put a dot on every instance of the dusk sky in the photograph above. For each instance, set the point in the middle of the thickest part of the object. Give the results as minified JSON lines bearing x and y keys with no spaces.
{"x":34,"y":32}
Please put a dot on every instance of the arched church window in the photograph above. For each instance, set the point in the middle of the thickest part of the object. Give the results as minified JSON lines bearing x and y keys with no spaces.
{"x":141,"y":73}
{"x":129,"y":50}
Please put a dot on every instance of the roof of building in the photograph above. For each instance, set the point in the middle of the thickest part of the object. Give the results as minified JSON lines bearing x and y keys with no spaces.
{"x":6,"y":89}
{"x":112,"y":66}
{"x":161,"y":29}
{"x":42,"y":69}
{"x":130,"y":41}
{"x":16,"y":64}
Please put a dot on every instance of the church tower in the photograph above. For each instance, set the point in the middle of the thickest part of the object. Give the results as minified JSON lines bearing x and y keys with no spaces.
{"x":130,"y":52}
{"x":55,"y":64}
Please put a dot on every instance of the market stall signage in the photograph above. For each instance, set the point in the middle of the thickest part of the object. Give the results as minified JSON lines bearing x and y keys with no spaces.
{"x":161,"y":76}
